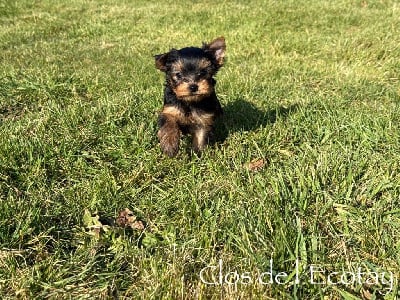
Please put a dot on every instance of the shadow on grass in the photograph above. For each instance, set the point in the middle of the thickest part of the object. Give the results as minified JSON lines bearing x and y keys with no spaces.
{"x":241,"y":115}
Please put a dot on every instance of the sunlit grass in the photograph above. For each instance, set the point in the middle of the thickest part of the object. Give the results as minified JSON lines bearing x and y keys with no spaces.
{"x":311,"y":97}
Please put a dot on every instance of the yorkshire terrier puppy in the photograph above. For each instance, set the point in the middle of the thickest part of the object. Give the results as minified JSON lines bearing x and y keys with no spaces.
{"x":190,"y":103}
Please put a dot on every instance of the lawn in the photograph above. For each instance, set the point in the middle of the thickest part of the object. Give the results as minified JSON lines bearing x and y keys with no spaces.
{"x":298,"y":199}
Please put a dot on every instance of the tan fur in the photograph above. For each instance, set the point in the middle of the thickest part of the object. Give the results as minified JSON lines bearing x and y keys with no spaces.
{"x":204,"y":90}
{"x":195,"y":118}
{"x":198,"y":123}
{"x":204,"y":63}
{"x":173,"y":112}
{"x":199,"y":140}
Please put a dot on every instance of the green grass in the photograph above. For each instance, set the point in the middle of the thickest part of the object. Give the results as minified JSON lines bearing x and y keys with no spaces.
{"x":310,"y":88}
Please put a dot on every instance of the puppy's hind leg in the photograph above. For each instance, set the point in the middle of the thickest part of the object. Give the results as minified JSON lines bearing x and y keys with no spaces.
{"x":200,"y":138}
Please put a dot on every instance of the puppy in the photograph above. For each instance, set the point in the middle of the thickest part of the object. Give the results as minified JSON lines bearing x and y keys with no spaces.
{"x":190,"y":103}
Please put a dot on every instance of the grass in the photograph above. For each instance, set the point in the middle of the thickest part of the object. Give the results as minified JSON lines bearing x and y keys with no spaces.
{"x":311,"y":94}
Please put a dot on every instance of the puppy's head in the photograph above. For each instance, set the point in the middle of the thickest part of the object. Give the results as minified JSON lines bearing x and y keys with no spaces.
{"x":190,"y":70}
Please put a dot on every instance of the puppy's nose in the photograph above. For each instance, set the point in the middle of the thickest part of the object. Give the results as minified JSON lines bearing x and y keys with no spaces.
{"x":193,"y":88}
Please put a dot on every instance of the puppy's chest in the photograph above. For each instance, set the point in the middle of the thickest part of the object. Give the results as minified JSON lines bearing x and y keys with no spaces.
{"x":192,"y":117}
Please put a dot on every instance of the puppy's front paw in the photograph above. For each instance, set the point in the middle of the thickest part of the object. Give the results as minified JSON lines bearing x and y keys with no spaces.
{"x":169,"y":141}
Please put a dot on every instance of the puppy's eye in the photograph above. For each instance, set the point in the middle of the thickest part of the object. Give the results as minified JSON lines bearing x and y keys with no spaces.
{"x":178,"y":75}
{"x":202,"y":73}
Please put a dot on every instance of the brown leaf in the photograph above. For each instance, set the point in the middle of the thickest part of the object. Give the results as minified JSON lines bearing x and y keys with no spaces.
{"x":138,"y":225}
{"x":126,"y":218}
{"x":366,"y":294}
{"x":256,"y":164}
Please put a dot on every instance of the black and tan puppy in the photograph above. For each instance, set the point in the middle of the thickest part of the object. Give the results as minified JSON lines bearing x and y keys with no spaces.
{"x":190,"y":102}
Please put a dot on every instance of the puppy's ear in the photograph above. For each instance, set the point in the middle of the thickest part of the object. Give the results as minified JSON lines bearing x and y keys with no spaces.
{"x":217,"y":49}
{"x":161,"y":61}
